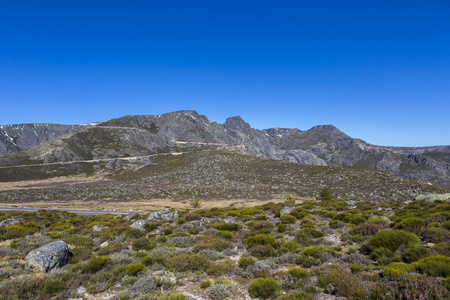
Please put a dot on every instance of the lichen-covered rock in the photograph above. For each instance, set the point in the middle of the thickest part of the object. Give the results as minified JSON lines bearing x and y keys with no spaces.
{"x":9,"y":222}
{"x":99,"y":227}
{"x":286,"y":210}
{"x":139,"y":224}
{"x":48,"y":257}
{"x":164,"y":215}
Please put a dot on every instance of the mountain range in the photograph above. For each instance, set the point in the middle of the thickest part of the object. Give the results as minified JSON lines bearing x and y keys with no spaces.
{"x":142,"y":136}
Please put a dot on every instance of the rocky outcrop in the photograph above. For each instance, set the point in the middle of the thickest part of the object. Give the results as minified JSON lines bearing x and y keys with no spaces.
{"x":9,"y":222}
{"x":21,"y":137}
{"x":163,"y":215}
{"x":48,"y":257}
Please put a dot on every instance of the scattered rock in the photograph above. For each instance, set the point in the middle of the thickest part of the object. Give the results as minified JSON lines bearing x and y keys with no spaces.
{"x":48,"y":257}
{"x":139,"y":224}
{"x":274,"y":221}
{"x":164,"y":215}
{"x":9,"y":222}
{"x":99,"y":227}
{"x":104,"y":244}
{"x":229,"y":221}
{"x":286,"y":210}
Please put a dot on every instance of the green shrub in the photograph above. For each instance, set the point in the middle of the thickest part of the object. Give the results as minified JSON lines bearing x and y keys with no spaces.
{"x":262,"y":251}
{"x":143,"y":244}
{"x":335,"y":280}
{"x":313,"y":232}
{"x":188,"y":262}
{"x":261,"y":239}
{"x":315,"y":251}
{"x":226,"y":226}
{"x":288,"y":219}
{"x":219,"y":269}
{"x":335,"y":224}
{"x":53,"y":286}
{"x":436,"y":266}
{"x":225,"y":234}
{"x":168,"y":231}
{"x":383,"y":245}
{"x":134,"y":269}
{"x":412,"y":224}
{"x":356,"y":220}
{"x":282,"y":228}
{"x":436,"y":235}
{"x":205,"y":284}
{"x":100,"y":282}
{"x":397,"y":269}
{"x":150,"y":226}
{"x":96,"y":263}
{"x":307,"y":262}
{"x":377,"y":221}
{"x":299,"y":273}
{"x":264,"y":288}
{"x":244,"y":262}
{"x":415,"y":253}
{"x":355,"y":268}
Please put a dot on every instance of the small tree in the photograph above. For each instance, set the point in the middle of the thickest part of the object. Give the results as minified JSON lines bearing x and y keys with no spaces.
{"x":195,"y":203}
{"x":326,"y":194}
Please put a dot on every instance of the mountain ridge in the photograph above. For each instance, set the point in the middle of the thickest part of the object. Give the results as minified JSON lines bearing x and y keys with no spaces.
{"x":141,"y":135}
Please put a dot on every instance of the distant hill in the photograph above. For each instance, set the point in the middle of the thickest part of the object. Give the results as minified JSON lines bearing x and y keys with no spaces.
{"x":145,"y":135}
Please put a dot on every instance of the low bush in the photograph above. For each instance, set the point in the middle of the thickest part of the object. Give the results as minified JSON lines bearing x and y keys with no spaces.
{"x":244,"y":262}
{"x":96,"y":263}
{"x":188,"y":262}
{"x":225,"y":234}
{"x":288,"y":219}
{"x":226,"y":226}
{"x":397,"y":269}
{"x":436,"y":266}
{"x":264,"y":288}
{"x":219,"y":292}
{"x":419,"y":287}
{"x":261,"y":239}
{"x":205,"y":284}
{"x":307,"y":262}
{"x":134,"y":269}
{"x":262,"y":251}
{"x":143,"y":244}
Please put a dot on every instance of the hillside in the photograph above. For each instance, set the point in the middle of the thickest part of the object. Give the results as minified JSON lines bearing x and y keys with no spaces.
{"x":137,"y":136}
{"x":207,"y":174}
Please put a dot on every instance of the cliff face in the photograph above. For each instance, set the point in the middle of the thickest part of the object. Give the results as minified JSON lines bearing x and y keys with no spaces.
{"x":14,"y":138}
{"x":132,"y":136}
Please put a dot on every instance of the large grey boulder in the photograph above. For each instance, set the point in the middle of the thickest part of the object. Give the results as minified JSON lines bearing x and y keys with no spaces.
{"x":9,"y":222}
{"x":48,"y":257}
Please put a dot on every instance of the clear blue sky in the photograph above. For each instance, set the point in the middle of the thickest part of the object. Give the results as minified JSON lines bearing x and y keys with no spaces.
{"x":377,"y":70}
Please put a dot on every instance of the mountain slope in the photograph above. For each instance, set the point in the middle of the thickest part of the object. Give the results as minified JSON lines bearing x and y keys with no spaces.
{"x":135,"y":136}
{"x":14,"y":138}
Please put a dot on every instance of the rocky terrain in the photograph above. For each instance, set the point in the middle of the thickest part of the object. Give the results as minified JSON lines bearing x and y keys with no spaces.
{"x":136,"y":136}
{"x":14,"y":138}
{"x":313,"y":250}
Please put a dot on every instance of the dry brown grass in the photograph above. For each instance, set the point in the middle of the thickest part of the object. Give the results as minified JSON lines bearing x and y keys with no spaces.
{"x":148,"y":205}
